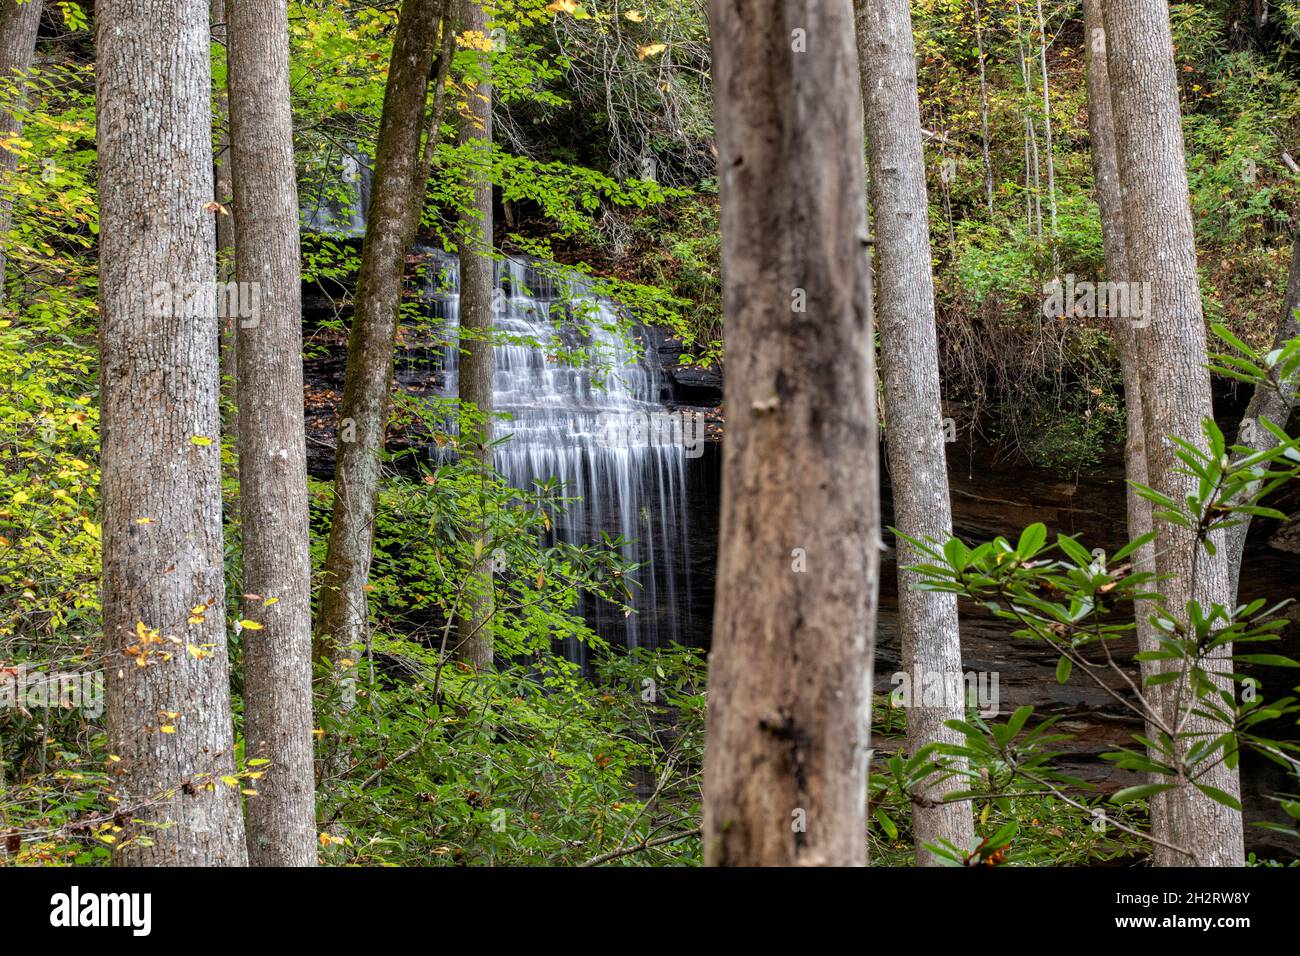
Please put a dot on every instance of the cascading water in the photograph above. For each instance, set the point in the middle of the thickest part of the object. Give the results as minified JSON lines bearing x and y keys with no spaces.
{"x":596,"y":422}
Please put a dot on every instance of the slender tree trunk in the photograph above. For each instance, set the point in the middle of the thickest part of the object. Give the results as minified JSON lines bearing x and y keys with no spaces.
{"x":1266,"y":404}
{"x":1175,"y":382}
{"x":1031,"y":133}
{"x":1047,"y":128}
{"x":272,"y":443}
{"x":168,"y":682}
{"x":19,"y":23}
{"x":474,"y":632}
{"x":910,"y":371}
{"x":224,"y":194}
{"x":984,"y":109}
{"x":789,"y":700}
{"x":396,"y":198}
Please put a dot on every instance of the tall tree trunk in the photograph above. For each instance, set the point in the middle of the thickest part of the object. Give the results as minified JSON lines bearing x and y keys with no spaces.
{"x":1270,"y":404}
{"x":224,"y":193}
{"x":984,"y":109}
{"x":785,"y":768}
{"x":396,"y":198}
{"x":168,"y":682}
{"x":1105,"y":169}
{"x":910,"y":370}
{"x":272,"y":442}
{"x":1175,"y":382}
{"x":19,"y":23}
{"x":474,"y":633}
{"x":1047,"y":128}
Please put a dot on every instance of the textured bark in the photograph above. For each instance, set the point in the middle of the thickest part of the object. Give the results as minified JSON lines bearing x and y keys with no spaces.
{"x":272,"y":441}
{"x":474,"y":633}
{"x":1175,"y":382}
{"x":159,"y":384}
{"x":396,"y":198}
{"x":1270,"y":404}
{"x":19,"y":23}
{"x":1105,"y":169}
{"x":931,"y":644}
{"x":789,"y":705}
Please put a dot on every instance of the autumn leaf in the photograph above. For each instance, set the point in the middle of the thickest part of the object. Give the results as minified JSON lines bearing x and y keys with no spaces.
{"x":650,"y":49}
{"x":247,"y":625}
{"x":635,"y":16}
{"x":563,"y":6}
{"x":201,"y":440}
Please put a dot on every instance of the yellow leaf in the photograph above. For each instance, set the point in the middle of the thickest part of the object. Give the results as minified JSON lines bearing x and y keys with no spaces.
{"x":635,"y":16}
{"x":650,"y":49}
{"x":200,"y":440}
{"x":248,"y":625}
{"x":230,"y":781}
{"x":563,"y":6}
{"x":167,"y":729}
{"x":249,"y":793}
{"x":258,"y":762}
{"x":269,"y":601}
{"x":144,"y":520}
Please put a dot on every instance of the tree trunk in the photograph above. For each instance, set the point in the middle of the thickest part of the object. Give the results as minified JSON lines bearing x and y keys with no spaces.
{"x":272,"y":443}
{"x":168,"y":682}
{"x":396,"y":198}
{"x":790,"y":671}
{"x":984,"y":110}
{"x":474,"y":633}
{"x":19,"y":23}
{"x":1105,"y":169}
{"x":224,"y":193}
{"x":1047,"y":128}
{"x":1175,"y":382}
{"x":931,"y":643}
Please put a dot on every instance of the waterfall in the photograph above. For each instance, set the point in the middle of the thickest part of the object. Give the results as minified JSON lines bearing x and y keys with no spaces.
{"x":594,"y":419}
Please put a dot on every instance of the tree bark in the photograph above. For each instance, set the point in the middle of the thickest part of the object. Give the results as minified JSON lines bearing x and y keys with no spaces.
{"x":475,"y":238}
{"x":914,"y":434}
{"x":19,"y":24}
{"x":168,"y":684}
{"x":396,"y":198}
{"x":790,"y":671}
{"x":1105,"y":169}
{"x":1175,"y":381}
{"x":272,"y":442}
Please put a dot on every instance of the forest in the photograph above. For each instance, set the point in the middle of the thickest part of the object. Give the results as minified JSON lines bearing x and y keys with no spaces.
{"x":623,"y":434}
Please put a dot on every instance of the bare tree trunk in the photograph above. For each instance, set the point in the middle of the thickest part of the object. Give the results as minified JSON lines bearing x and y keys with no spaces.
{"x":396,"y":199}
{"x":1031,"y":133}
{"x":1266,"y":404}
{"x":474,"y":632}
{"x":984,"y":109}
{"x":1101,"y":130}
{"x":1175,"y":381}
{"x":910,"y":370}
{"x":168,"y":682}
{"x":789,"y":700}
{"x":1047,"y":128}
{"x":19,"y":23}
{"x":272,"y":443}
{"x":225,"y":195}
